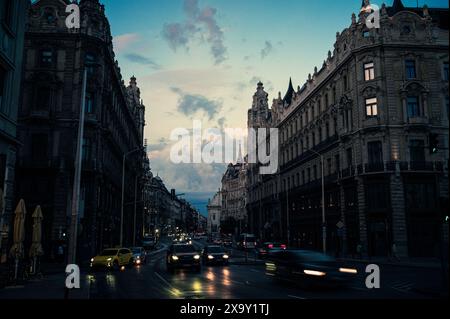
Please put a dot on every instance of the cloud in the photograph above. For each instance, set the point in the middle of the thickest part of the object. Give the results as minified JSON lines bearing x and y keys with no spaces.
{"x":196,"y":177}
{"x":268,"y":48}
{"x":252,"y":83}
{"x":123,"y":41}
{"x":199,"y":21}
{"x":140,"y":59}
{"x":189,"y":104}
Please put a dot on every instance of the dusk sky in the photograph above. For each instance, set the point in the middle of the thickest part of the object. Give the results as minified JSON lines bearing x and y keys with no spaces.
{"x":202,"y":60}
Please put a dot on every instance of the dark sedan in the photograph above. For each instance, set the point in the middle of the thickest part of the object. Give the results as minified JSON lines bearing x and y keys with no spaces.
{"x":309,"y":268}
{"x":215,"y":255}
{"x":182,"y":256}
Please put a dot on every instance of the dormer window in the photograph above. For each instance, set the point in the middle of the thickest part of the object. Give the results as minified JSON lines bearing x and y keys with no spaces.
{"x":366,"y":34}
{"x":49,"y":16}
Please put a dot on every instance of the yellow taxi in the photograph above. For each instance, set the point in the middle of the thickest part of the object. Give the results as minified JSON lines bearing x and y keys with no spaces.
{"x":113,"y":258}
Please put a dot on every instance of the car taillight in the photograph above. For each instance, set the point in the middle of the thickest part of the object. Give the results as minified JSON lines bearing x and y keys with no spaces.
{"x":270,"y":246}
{"x":283,"y":246}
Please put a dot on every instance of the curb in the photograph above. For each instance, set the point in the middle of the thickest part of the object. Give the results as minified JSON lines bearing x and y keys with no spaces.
{"x":405,"y":265}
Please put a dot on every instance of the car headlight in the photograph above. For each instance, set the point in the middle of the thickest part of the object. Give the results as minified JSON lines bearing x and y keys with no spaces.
{"x":197,"y":257}
{"x":210,"y":257}
{"x":314,"y":273}
{"x":92,"y":260}
{"x":348,"y":270}
{"x":226,"y":256}
{"x":174,"y":257}
{"x":109,"y":259}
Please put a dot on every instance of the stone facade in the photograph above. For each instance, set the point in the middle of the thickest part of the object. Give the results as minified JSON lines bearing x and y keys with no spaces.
{"x":12,"y":30}
{"x":370,"y":111}
{"x":233,"y":214}
{"x":214,"y":213}
{"x":54,"y":61}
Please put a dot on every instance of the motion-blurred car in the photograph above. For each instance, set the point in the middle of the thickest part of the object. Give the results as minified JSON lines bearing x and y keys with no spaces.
{"x":227,"y":242}
{"x":268,"y":247}
{"x":214,"y":255}
{"x":309,"y":268}
{"x":139,"y":255}
{"x":182,"y":256}
{"x":113,"y":258}
{"x":246,"y":241}
{"x":217,"y":241}
{"x":149,"y":242}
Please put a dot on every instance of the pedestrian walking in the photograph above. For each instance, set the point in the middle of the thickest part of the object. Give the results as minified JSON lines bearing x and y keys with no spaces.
{"x":394,"y":252}
{"x":359,"y":250}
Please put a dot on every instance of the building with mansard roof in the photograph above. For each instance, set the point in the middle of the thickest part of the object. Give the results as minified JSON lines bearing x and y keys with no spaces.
{"x":376,"y":111}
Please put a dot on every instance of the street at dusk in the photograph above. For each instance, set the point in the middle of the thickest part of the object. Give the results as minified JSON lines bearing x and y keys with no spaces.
{"x":224,"y":158}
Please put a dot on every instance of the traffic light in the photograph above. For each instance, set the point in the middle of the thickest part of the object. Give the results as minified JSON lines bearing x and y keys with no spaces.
{"x":434,"y":143}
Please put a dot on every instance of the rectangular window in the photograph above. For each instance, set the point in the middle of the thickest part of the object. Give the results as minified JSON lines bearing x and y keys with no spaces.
{"x":39,"y":147}
{"x":417,"y":150}
{"x":413,"y":106}
{"x":445,"y":71}
{"x":87,"y":149}
{"x":7,"y":12}
{"x":89,"y":104}
{"x":337,"y":161}
{"x":46,"y":58}
{"x":2,"y":85}
{"x":89,"y":61}
{"x":303,"y":177}
{"x":369,"y":71}
{"x":371,"y":107}
{"x":375,"y":152}
{"x":345,"y":83}
{"x":329,"y":166}
{"x":410,"y":69}
{"x":309,"y":174}
{"x":349,"y":157}
{"x":315,"y":172}
{"x":43,"y":97}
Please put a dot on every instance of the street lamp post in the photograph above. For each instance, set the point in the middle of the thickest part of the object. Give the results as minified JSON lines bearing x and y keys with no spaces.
{"x":324,"y":225}
{"x":123,"y":191}
{"x":71,"y":259}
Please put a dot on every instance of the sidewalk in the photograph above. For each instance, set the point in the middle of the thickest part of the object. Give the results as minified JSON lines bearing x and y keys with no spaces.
{"x":50,"y":287}
{"x":432,"y":263}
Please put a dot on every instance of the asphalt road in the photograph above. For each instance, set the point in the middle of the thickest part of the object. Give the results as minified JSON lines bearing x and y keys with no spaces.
{"x":242,"y":281}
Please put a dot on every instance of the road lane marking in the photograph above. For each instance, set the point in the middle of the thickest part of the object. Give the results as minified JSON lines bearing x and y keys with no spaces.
{"x":296,"y":297}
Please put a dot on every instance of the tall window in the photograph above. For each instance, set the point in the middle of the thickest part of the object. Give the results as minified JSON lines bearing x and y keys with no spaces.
{"x":303,"y":177}
{"x":375,"y":152}
{"x":445,"y":70}
{"x":417,"y":150}
{"x":349,"y":157}
{"x":46,"y":58}
{"x":87,"y":149}
{"x":337,"y":160}
{"x":326,"y":101}
{"x":334,"y":95}
{"x":2,"y":84}
{"x":315,"y":172}
{"x":371,"y":107}
{"x":313,"y":139}
{"x":329,"y":165}
{"x":6,"y":12}
{"x":413,"y":106}
{"x":410,"y":69}
{"x":43,"y":98}
{"x":369,"y":71}
{"x":309,"y":174}
{"x":345,"y":83}
{"x":39,"y":147}
{"x":89,"y":104}
{"x":327,"y":130}
{"x":89,"y":61}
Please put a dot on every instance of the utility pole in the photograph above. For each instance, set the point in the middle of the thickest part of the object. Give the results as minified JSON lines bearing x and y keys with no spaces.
{"x":71,"y":259}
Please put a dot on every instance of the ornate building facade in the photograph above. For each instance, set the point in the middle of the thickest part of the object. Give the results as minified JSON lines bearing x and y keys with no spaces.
{"x":54,"y":61}
{"x":375,"y":115}
{"x":214,"y":210}
{"x":12,"y":31}
{"x":233,"y":213}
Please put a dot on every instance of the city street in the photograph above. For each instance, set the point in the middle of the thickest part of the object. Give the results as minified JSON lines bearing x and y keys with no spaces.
{"x":239,"y":280}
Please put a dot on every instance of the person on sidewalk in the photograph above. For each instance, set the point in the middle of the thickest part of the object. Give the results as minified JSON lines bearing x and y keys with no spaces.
{"x":394,"y":252}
